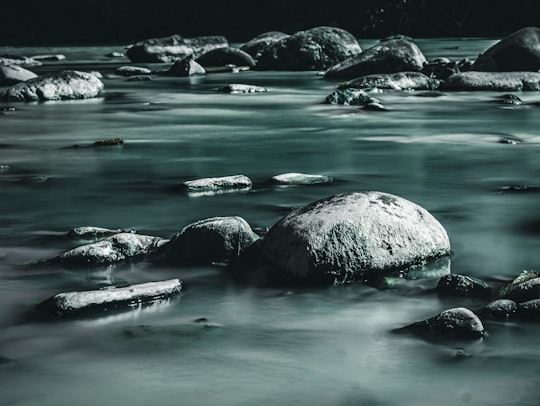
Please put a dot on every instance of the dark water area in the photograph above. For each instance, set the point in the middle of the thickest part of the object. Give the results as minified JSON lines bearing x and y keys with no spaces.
{"x":277,"y":346}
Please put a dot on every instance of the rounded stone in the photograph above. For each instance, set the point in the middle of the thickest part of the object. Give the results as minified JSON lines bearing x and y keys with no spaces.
{"x":501,"y":309}
{"x":12,"y":74}
{"x":257,"y":45}
{"x":493,"y":81}
{"x":226,"y":57}
{"x":132,"y":71}
{"x":462,"y":285}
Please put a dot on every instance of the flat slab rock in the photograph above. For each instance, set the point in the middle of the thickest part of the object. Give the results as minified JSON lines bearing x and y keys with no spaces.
{"x":294,"y":178}
{"x":224,"y":182}
{"x":94,"y":233}
{"x":101,"y":300}
{"x":493,"y":81}
{"x":236,"y":88}
{"x":392,"y":81}
{"x":12,"y":74}
{"x":349,"y":236}
{"x":132,"y":71}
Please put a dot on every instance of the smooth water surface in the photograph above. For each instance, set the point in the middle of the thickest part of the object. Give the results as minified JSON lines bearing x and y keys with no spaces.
{"x":260,"y":346}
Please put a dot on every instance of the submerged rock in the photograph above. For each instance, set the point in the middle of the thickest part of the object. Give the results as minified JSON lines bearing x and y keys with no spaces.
{"x":509,"y":99}
{"x":11,"y":74}
{"x":529,"y":309}
{"x":349,"y":236}
{"x":314,"y":49}
{"x":374,"y":106}
{"x":117,"y":248}
{"x":170,"y":49}
{"x":493,"y":81}
{"x":524,"y":291}
{"x":110,"y":298}
{"x":235,"y":88}
{"x":392,"y":81}
{"x":350,"y":97}
{"x":225,"y":182}
{"x":459,"y":323}
{"x":398,"y":55}
{"x":94,"y":233}
{"x":132,"y":71}
{"x":295,"y":178}
{"x":519,"y":51}
{"x":225,"y":57}
{"x":115,"y":54}
{"x":257,"y":45}
{"x":113,"y":142}
{"x":501,"y":309}
{"x":441,"y":68}
{"x":6,"y":59}
{"x":461,"y":285}
{"x":56,"y":86}
{"x":185,"y":67}
{"x":217,"y":239}
{"x":49,"y":58}
{"x":523,"y":277}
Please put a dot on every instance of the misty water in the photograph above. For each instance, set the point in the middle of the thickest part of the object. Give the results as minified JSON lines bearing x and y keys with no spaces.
{"x":260,"y":345}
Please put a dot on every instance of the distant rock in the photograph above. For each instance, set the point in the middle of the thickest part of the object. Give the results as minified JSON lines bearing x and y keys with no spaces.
{"x":217,"y":239}
{"x":257,"y":45}
{"x":351,"y":236}
{"x":91,"y":233}
{"x":235,"y":88}
{"x":225,"y":182}
{"x":501,"y":309}
{"x":185,"y":67}
{"x":392,"y":81}
{"x":314,"y":49}
{"x":462,"y":285}
{"x":440,"y":68}
{"x":391,"y":56}
{"x":519,"y":51}
{"x":509,"y":99}
{"x":294,"y":178}
{"x":115,"y":55}
{"x":113,"y":142}
{"x":97,"y":74}
{"x":493,"y":81}
{"x":460,"y":323}
{"x":170,"y":49}
{"x":523,"y":277}
{"x":143,"y":78}
{"x":12,"y":74}
{"x":225,"y":57}
{"x":6,"y":59}
{"x":529,"y":309}
{"x":70,"y":304}
{"x":132,"y":71}
{"x":524,"y":291}
{"x":56,"y":86}
{"x":117,"y":248}
{"x":349,"y":97}
{"x":49,"y":58}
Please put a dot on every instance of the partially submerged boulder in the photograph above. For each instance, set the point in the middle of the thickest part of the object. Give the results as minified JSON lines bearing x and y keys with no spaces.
{"x":49,"y":57}
{"x":224,"y":182}
{"x":225,"y":57}
{"x":235,"y":88}
{"x":314,"y":49}
{"x":462,"y":285}
{"x":397,"y":55}
{"x":519,"y":51}
{"x":518,"y":280}
{"x":172,"y":48}
{"x":64,"y":85}
{"x":8,"y":59}
{"x":392,"y":81}
{"x":110,"y":298}
{"x":353,"y":236}
{"x":493,"y":81}
{"x":94,"y":233}
{"x":217,"y":239}
{"x":257,"y":45}
{"x":524,"y":291}
{"x":12,"y":74}
{"x":501,"y":309}
{"x":185,"y":67}
{"x":132,"y":71}
{"x":295,"y":178}
{"x":349,"y":97}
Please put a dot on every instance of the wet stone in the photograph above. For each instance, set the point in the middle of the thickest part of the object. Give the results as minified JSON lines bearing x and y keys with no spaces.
{"x":109,"y":143}
{"x":294,"y":178}
{"x":94,"y":233}
{"x":501,"y":309}
{"x":350,"y":97}
{"x":510,"y":99}
{"x":236,"y":88}
{"x":461,"y":285}
{"x":132,"y":71}
{"x":529,"y":310}
{"x":524,"y":291}
{"x":224,"y":182}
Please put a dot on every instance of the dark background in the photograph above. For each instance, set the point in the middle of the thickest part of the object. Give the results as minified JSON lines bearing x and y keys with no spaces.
{"x":63,"y":22}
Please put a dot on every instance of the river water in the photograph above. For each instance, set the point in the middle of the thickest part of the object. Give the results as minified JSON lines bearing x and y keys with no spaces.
{"x":260,"y":346}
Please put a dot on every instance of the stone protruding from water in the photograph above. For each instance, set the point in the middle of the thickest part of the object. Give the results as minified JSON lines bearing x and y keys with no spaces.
{"x":519,"y":51}
{"x":392,"y":81}
{"x":238,"y":88}
{"x":64,"y":85}
{"x":257,"y":45}
{"x":111,"y":298}
{"x":94,"y":233}
{"x":212,"y":240}
{"x":132,"y":71}
{"x":350,"y":97}
{"x":501,"y":309}
{"x":185,"y":67}
{"x":219,"y":183}
{"x":462,"y":285}
{"x":396,"y":55}
{"x":225,"y":57}
{"x":352,"y":236}
{"x":294,"y":178}
{"x":314,"y":49}
{"x":508,"y":290}
{"x":12,"y":74}
{"x":493,"y":81}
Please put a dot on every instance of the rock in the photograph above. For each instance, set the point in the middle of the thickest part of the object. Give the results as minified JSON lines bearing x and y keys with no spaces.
{"x":294,"y":178}
{"x":441,"y":68}
{"x":374,"y":106}
{"x":113,"y":142}
{"x":109,"y":298}
{"x":519,"y":51}
{"x":139,"y":79}
{"x":235,"y":88}
{"x":225,"y":182}
{"x":4,"y":168}
{"x":56,"y":86}
{"x":57,"y":57}
{"x":6,"y":109}
{"x":352,"y":236}
{"x":115,"y":55}
{"x":349,"y":97}
{"x":185,"y":67}
{"x":314,"y":49}
{"x":392,"y":81}
{"x":391,"y":56}
{"x":524,"y":291}
{"x":493,"y":81}
{"x":12,"y":74}
{"x":132,"y":71}
{"x":257,"y":45}
{"x":6,"y":59}
{"x":518,"y":280}
{"x":458,"y":322}
{"x":510,"y":99}
{"x":117,"y":248}
{"x":217,"y":239}
{"x":225,"y":57}
{"x":94,"y":233}
{"x":461,"y":285}
{"x":170,"y":49}
{"x":501,"y":309}
{"x":529,"y":309}
{"x":97,"y":74}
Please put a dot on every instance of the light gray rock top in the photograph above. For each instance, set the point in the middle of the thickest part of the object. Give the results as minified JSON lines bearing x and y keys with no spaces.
{"x":235,"y":88}
{"x":93,"y":233}
{"x":494,"y":81}
{"x":18,"y":60}
{"x":11,"y":74}
{"x":132,"y":71}
{"x":225,"y":182}
{"x":393,"y":81}
{"x":294,"y":178}
{"x":54,"y":57}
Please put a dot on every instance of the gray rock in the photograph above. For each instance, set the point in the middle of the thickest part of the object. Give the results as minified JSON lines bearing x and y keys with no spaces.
{"x":350,"y":236}
{"x":519,"y":51}
{"x":294,"y":178}
{"x":185,"y":67}
{"x":56,"y":86}
{"x":115,"y":55}
{"x":132,"y":71}
{"x":524,"y":291}
{"x":49,"y":58}
{"x":111,"y":298}
{"x":91,"y":233}
{"x":509,"y":99}
{"x":374,"y":106}
{"x":529,"y":309}
{"x":117,"y":248}
{"x":257,"y":45}
{"x":391,"y":56}
{"x":175,"y":47}
{"x":225,"y":57}
{"x":350,"y":97}
{"x":461,"y":285}
{"x":314,"y":49}
{"x":144,"y":78}
{"x":458,"y":322}
{"x":235,"y":88}
{"x":521,"y":278}
{"x":224,"y":182}
{"x":493,"y":81}
{"x":217,"y":239}
{"x":25,"y":61}
{"x":441,"y":68}
{"x":392,"y":81}
{"x":501,"y":309}
{"x":12,"y":74}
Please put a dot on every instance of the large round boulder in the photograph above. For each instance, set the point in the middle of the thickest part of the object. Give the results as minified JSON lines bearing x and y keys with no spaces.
{"x":493,"y":81}
{"x":353,"y":236}
{"x":225,"y":57}
{"x":12,"y":74}
{"x":64,"y":85}
{"x":257,"y":45}
{"x":397,"y":55}
{"x":519,"y":51}
{"x":314,"y":49}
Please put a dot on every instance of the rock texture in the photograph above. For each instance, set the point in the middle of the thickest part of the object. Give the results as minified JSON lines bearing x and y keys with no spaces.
{"x":397,"y":55}
{"x":392,"y":81}
{"x":185,"y":67}
{"x":493,"y":81}
{"x":462,"y":285}
{"x":7,"y":59}
{"x":350,"y":97}
{"x":314,"y":49}
{"x":235,"y":88}
{"x":225,"y":57}
{"x":294,"y":178}
{"x":257,"y":45}
{"x":56,"y":86}
{"x":224,"y":182}
{"x":12,"y":74}
{"x":132,"y":71}
{"x":501,"y":309}
{"x":93,"y":233}
{"x":349,"y":236}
